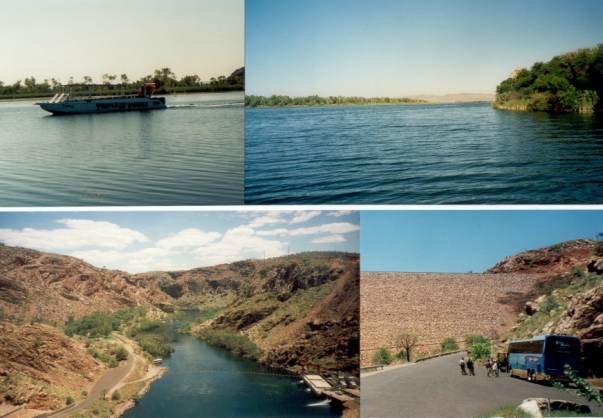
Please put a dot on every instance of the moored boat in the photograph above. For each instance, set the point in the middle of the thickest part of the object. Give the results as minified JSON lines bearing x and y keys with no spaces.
{"x":67,"y":103}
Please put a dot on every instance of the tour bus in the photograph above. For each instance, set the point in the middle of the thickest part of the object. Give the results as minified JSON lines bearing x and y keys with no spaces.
{"x":543,"y":357}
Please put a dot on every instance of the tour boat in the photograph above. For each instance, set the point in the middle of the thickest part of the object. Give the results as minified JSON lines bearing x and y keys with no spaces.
{"x":67,"y":103}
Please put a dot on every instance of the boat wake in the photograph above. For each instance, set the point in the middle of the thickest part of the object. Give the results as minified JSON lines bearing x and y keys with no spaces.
{"x":206,"y":106}
{"x":321,"y":403}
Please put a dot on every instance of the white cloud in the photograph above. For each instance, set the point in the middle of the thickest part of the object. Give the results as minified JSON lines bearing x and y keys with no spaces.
{"x":329,"y":239}
{"x":237,"y":244}
{"x":268,"y":218}
{"x":147,"y":259}
{"x":332,"y":228}
{"x":188,"y":238}
{"x":77,"y":233}
{"x":339,"y":213}
{"x":304,"y":216}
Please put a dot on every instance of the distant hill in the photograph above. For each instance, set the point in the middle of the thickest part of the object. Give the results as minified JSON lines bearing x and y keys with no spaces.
{"x":572,"y":82}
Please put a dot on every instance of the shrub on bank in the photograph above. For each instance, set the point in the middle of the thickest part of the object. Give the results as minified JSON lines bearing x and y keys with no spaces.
{"x":238,"y":344}
{"x":449,"y":344}
{"x":382,"y":356}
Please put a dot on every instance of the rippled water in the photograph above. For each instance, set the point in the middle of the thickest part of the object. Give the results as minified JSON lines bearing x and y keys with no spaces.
{"x":203,"y":381}
{"x":460,"y":153}
{"x":188,"y":154}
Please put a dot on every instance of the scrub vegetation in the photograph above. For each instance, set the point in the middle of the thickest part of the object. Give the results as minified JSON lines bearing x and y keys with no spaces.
{"x":571,"y":82}
{"x":112,"y":84}
{"x":281,"y":101}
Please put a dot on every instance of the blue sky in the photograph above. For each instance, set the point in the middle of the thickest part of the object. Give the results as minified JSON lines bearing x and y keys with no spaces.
{"x":405,"y":47}
{"x":63,"y":38}
{"x":168,"y":240}
{"x":462,"y":241}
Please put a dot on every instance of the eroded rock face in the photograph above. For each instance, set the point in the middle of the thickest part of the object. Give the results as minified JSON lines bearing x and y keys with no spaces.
{"x":584,"y":318}
{"x":53,"y":287}
{"x":558,"y":258}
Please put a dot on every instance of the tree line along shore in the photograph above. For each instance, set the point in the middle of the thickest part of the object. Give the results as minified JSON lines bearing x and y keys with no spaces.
{"x":571,"y":82}
{"x":283,"y":101}
{"x":113,"y":84}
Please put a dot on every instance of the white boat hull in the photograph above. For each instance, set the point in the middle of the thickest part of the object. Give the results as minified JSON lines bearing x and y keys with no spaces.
{"x":104,"y":105}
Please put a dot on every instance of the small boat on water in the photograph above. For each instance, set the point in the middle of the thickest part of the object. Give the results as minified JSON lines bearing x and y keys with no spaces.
{"x":67,"y":103}
{"x":157,"y":361}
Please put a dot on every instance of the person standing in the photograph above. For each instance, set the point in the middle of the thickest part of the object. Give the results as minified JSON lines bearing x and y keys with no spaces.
{"x":488,"y":368}
{"x":495,"y":368}
{"x":470,"y":367}
{"x":462,"y":365}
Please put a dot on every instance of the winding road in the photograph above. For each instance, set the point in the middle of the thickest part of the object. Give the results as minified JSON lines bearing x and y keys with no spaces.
{"x":108,"y":381}
{"x":435,"y":388}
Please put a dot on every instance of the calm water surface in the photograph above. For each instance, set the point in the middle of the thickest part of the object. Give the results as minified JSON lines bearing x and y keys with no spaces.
{"x":203,"y":381}
{"x":429,"y":154}
{"x":188,"y":154}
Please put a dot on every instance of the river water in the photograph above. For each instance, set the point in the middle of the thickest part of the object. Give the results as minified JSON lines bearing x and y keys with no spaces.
{"x":427,"y":154}
{"x":204,"y":381}
{"x":188,"y":154}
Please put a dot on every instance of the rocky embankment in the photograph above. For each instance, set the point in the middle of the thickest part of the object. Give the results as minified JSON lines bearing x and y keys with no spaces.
{"x":570,"y":299}
{"x":434,"y":306}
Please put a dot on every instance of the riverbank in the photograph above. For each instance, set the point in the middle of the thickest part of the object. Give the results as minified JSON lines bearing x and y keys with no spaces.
{"x":524,"y":106}
{"x":109,"y":93}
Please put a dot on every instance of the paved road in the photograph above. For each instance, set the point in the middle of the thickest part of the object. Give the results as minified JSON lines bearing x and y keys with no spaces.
{"x":435,"y":388}
{"x":109,"y":380}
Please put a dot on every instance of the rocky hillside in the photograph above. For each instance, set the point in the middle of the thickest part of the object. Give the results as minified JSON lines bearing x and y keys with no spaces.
{"x":570,"y":298}
{"x":52,"y":287}
{"x":41,"y":366}
{"x":435,"y":306}
{"x":559,"y":258}
{"x":301,"y":311}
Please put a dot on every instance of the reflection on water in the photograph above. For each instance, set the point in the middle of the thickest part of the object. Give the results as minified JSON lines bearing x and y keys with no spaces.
{"x":203,"y":381}
{"x":188,"y":154}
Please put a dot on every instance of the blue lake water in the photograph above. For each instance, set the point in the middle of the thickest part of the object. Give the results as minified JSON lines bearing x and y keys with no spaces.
{"x":203,"y":381}
{"x":188,"y":154}
{"x":423,"y":154}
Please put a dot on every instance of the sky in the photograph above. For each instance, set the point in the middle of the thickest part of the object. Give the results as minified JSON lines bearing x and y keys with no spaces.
{"x":63,"y":38}
{"x":148,"y":241}
{"x":406,"y":47}
{"x":463,"y":241}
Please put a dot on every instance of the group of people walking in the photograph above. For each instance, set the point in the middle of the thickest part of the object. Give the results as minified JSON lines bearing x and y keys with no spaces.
{"x":468,"y":367}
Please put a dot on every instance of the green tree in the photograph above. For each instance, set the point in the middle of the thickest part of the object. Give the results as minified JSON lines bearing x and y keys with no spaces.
{"x":480,"y":350}
{"x":449,"y":344}
{"x":382,"y":356}
{"x":470,"y":339}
